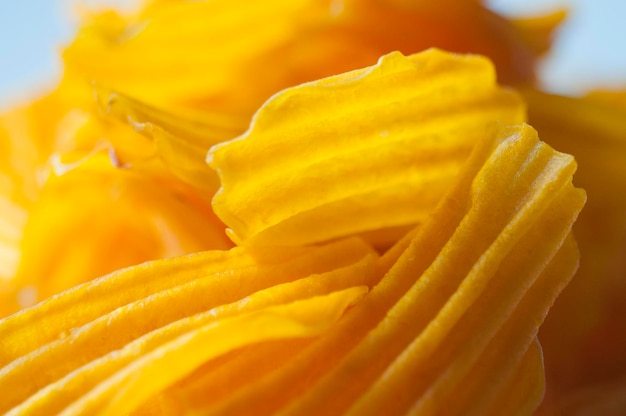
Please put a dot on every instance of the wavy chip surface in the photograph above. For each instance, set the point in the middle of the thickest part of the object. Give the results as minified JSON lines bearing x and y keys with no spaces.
{"x":367,"y":151}
{"x":460,"y":304}
{"x":102,"y":326}
{"x":451,"y":310}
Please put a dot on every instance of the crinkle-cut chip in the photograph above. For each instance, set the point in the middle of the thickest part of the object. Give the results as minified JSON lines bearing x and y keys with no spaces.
{"x":150,"y":216}
{"x":235,"y":273}
{"x":474,"y":280}
{"x":373,"y":149}
{"x":484,"y":272}
{"x":254,"y":363}
{"x":143,"y":325}
{"x":188,"y":286}
{"x":476,"y":365}
{"x":140,"y":379}
{"x":584,"y":337}
{"x":479,"y":392}
{"x":180,"y":141}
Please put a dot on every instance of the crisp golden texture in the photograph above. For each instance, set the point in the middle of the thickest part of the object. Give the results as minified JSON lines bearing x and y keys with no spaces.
{"x":399,"y":246}
{"x":189,"y":74}
{"x":474,"y":284}
{"x":109,"y":323}
{"x":374,"y":149}
{"x":173,"y":360}
{"x":305,"y":317}
{"x":460,"y":302}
